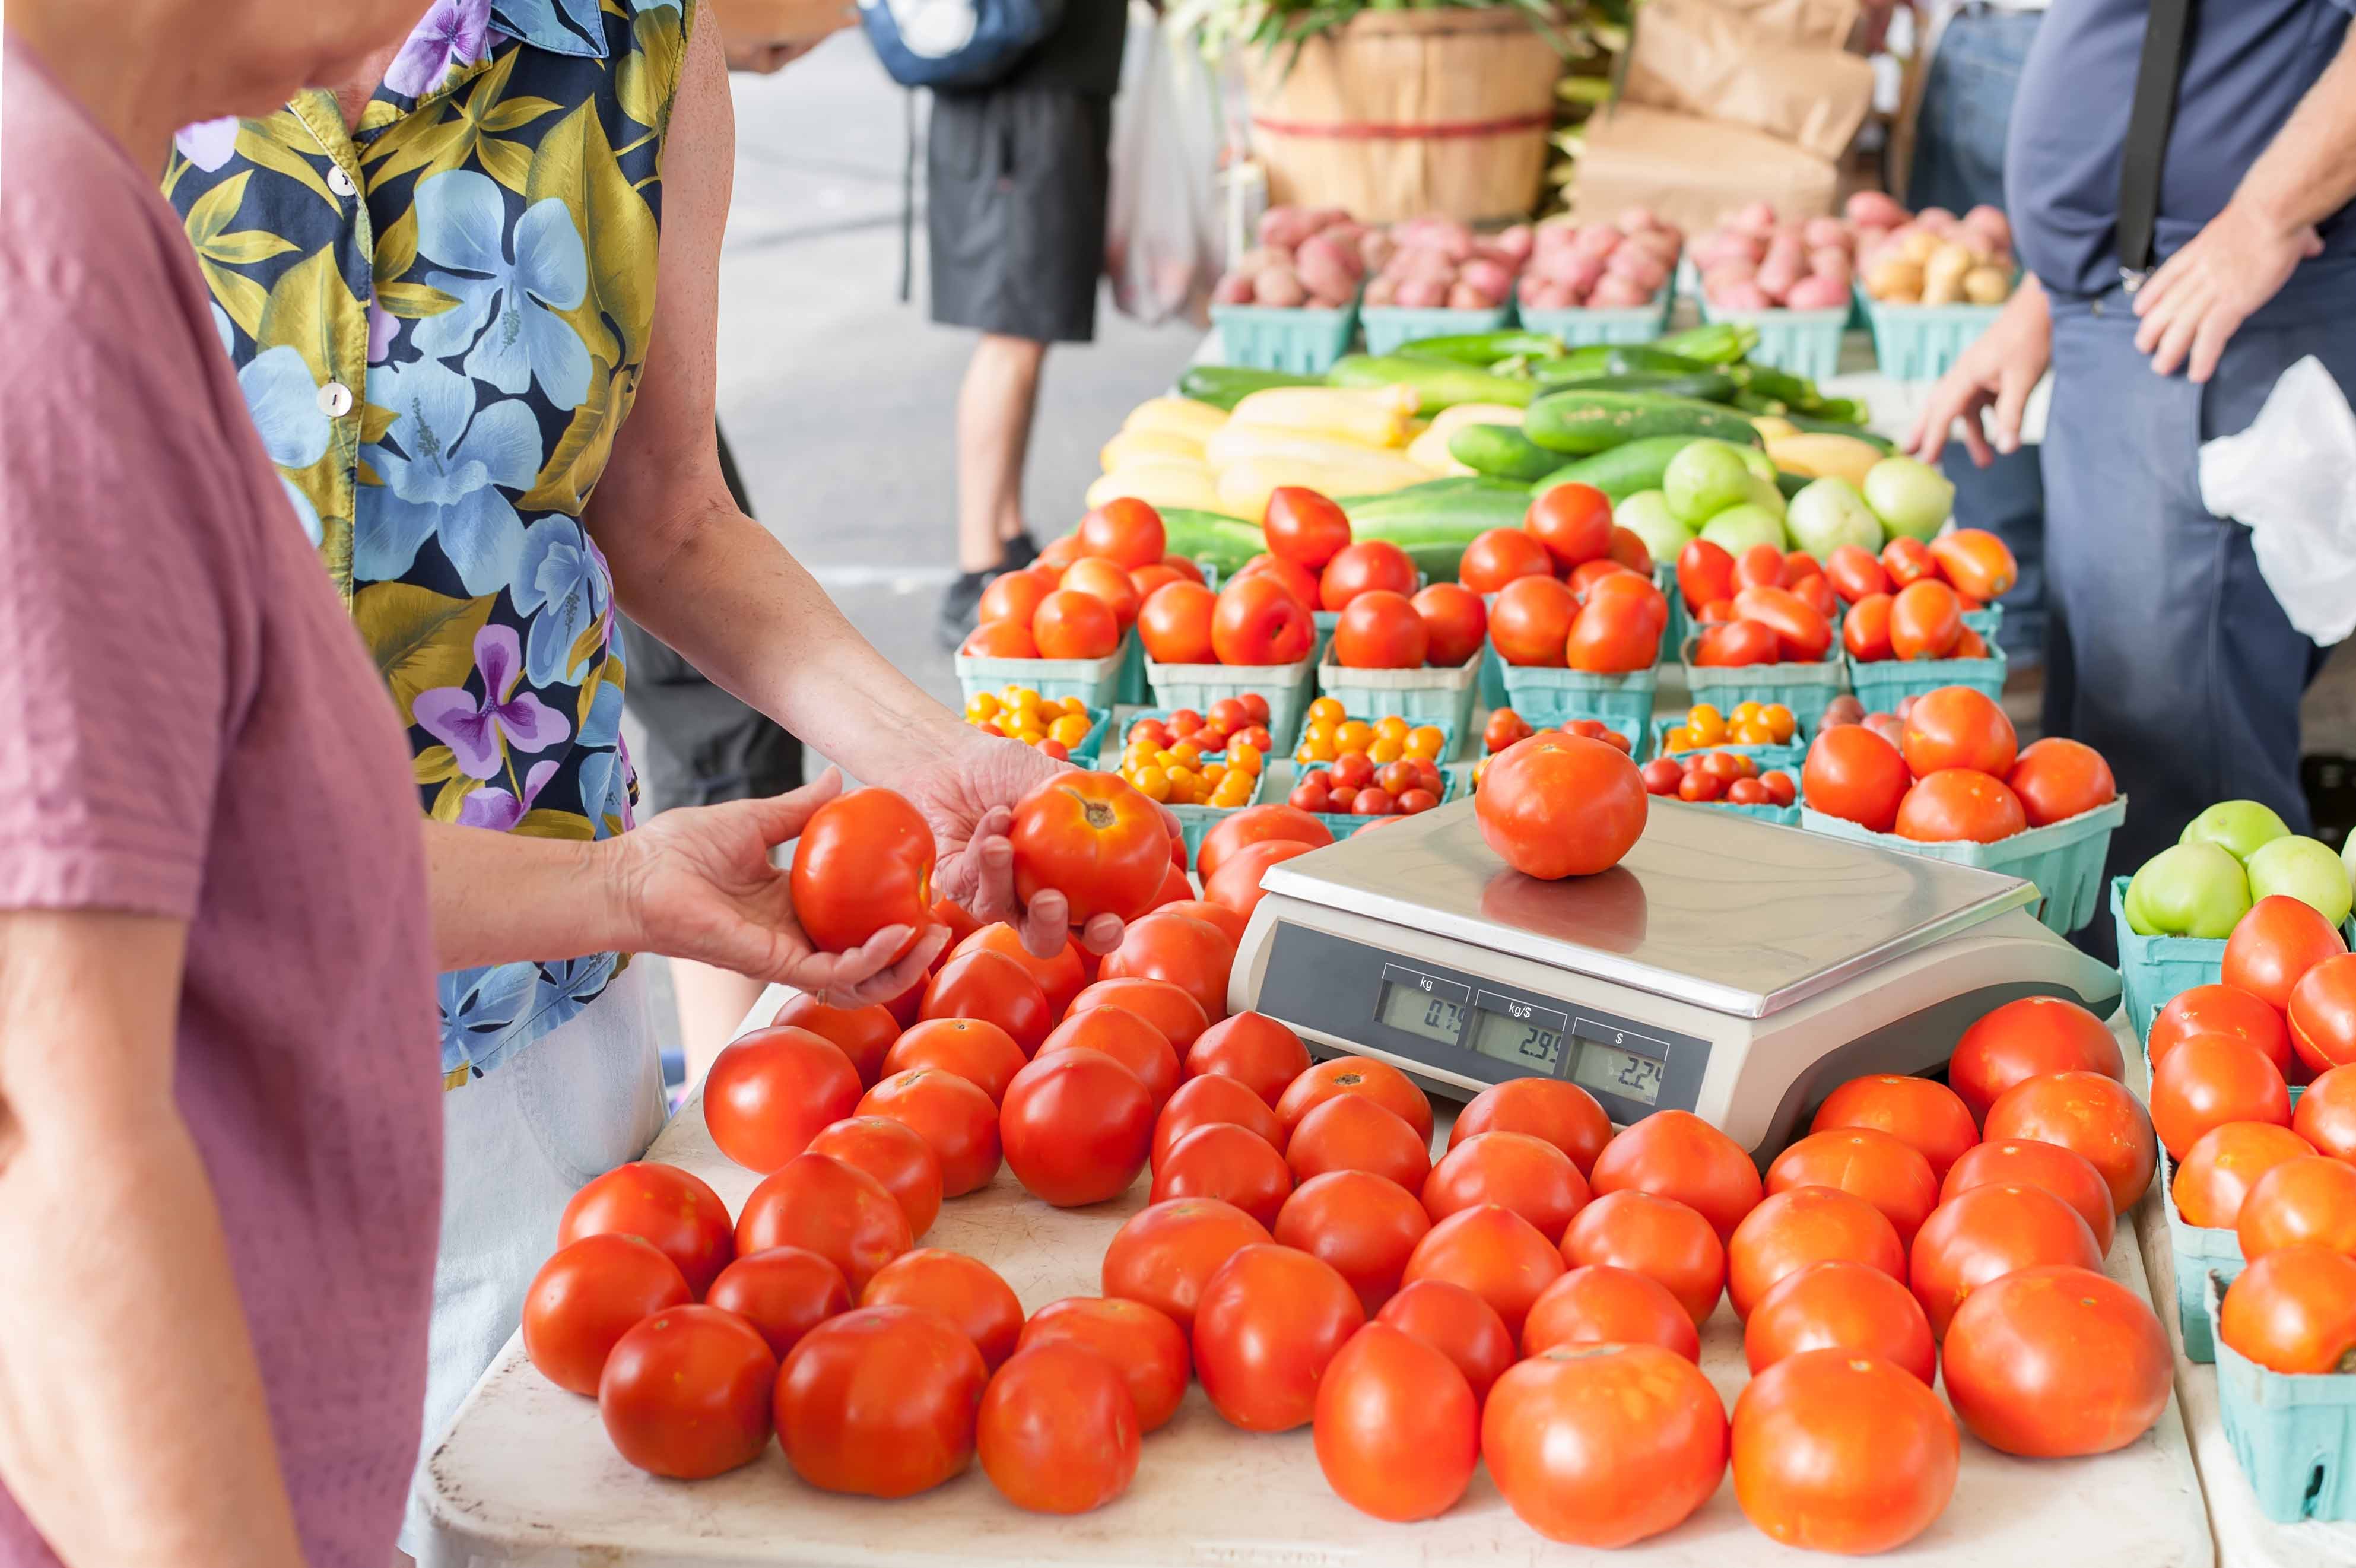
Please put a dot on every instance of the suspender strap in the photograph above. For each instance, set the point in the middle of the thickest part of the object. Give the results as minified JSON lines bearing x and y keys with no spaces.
{"x":2149,"y":121}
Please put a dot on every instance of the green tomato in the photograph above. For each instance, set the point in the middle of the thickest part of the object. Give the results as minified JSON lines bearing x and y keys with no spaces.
{"x":2306,"y":869}
{"x":1911,"y":497}
{"x":1646,"y":515}
{"x":1738,"y":528}
{"x":2241,"y":826}
{"x":1828,"y":514}
{"x":1704,"y":480}
{"x":2187,"y":890}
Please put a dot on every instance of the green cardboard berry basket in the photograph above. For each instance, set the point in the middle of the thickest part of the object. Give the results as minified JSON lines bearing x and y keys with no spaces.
{"x":1303,"y":340}
{"x":1806,"y":689}
{"x":1091,"y":744}
{"x":1882,"y":683}
{"x":1799,"y":342}
{"x":1287,"y":687}
{"x":2155,"y":971}
{"x":1449,"y":735}
{"x":1584,"y":327}
{"x":1096,"y":681}
{"x":2295,"y":1434}
{"x":1920,"y":342}
{"x":2065,"y":859}
{"x":1547,"y":697}
{"x":1988,"y":620}
{"x":1681,"y":621}
{"x":1389,"y":326}
{"x":2201,"y":1252}
{"x":1787,"y":756}
{"x":1427,"y":695}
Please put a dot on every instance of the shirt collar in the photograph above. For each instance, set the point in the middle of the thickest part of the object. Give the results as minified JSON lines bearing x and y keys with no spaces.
{"x":560,"y":26}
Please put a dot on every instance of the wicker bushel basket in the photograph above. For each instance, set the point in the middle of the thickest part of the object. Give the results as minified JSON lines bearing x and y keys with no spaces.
{"x":1400,"y":113}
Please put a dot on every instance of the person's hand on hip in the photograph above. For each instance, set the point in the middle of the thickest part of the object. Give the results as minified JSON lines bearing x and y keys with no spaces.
{"x":2200,"y":296}
{"x":1990,"y":381}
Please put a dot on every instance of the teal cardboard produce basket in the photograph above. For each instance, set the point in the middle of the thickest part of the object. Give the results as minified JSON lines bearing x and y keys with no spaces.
{"x":1584,"y":327}
{"x":1304,"y":340}
{"x":1920,"y":342}
{"x":1882,"y":683}
{"x":1195,"y":822}
{"x":1787,"y":756}
{"x":2199,"y":1252}
{"x":1389,"y":326}
{"x":1806,"y":689}
{"x":1096,"y":681}
{"x":2065,"y":859}
{"x":1800,"y":342}
{"x":2155,"y":971}
{"x":1547,"y":697}
{"x":1988,"y":620}
{"x":1342,"y":824}
{"x":1197,"y":686}
{"x":2295,"y":1434}
{"x":1426,"y":695}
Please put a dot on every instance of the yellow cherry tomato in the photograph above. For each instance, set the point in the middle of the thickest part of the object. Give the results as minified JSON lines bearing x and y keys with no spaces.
{"x":1213,"y":772}
{"x":1326,"y":711}
{"x":1322,"y":749}
{"x":984,"y":705}
{"x":1425,"y":741}
{"x":1706,"y":724}
{"x":1781,"y":721}
{"x":1392,"y":725}
{"x":1244,"y":757}
{"x":1387,"y":748}
{"x":1743,"y":712}
{"x":1032,"y":737}
{"x":1679,"y":738}
{"x":1356,"y":735}
{"x":1070,"y":728}
{"x":1754,"y":732}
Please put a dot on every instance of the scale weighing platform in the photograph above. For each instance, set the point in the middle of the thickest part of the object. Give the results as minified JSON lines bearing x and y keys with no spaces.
{"x":1729,"y":967}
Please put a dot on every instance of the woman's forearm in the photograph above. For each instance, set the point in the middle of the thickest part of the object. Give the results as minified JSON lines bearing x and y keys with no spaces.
{"x":511,"y":897}
{"x":133,"y":1429}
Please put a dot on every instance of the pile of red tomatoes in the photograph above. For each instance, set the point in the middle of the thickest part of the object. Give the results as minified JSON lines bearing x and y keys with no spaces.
{"x":1956,"y":772}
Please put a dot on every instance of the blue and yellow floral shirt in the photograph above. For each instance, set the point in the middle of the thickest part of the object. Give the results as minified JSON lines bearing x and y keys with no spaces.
{"x":439,"y":322}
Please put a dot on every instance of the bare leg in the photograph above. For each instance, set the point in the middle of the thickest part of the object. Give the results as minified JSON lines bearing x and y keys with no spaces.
{"x":711,"y":1006}
{"x":993,"y":436}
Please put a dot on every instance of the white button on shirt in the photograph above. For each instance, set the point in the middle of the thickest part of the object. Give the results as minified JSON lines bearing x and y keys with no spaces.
{"x":335,"y":400}
{"x":339,"y":182}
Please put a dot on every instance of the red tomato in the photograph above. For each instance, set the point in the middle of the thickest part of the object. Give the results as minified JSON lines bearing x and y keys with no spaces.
{"x":589,"y":1294}
{"x":1015,"y":597}
{"x":1070,"y":624}
{"x":1165,"y":1254}
{"x":2218,"y":1010}
{"x":1457,"y":1323}
{"x":989,"y":985}
{"x":1076,"y":1125}
{"x":880,"y":1402}
{"x":1956,"y":727}
{"x":1128,"y":1039}
{"x":1298,"y":580}
{"x":2057,"y":779}
{"x":1255,"y":824}
{"x":1254,"y":1049}
{"x":1605,"y":1445}
{"x":1380,"y":630}
{"x":956,"y":1120}
{"x":2205,"y":1083}
{"x":1677,"y":1154}
{"x":1208,"y":1100}
{"x":1057,"y":1431}
{"x":2273,"y":947}
{"x":1841,"y":1304}
{"x":2322,"y":1013}
{"x":1174,"y":624}
{"x":1597,"y":1304}
{"x":2020,"y":1162}
{"x":1494,"y":1254}
{"x":1514,"y":1170}
{"x":1236,"y":885}
{"x":1927,"y":1117}
{"x":1865,"y":631}
{"x":1976,"y":561}
{"x":1802,"y":634}
{"x":1559,"y":805}
{"x":1907,"y":561}
{"x":1737,"y":643}
{"x":1498,"y":555}
{"x":1000,"y":639}
{"x":784,"y":1292}
{"x":1628,"y":548}
{"x":1926,"y":621}
{"x":2024,"y":1038}
{"x":1192,"y":955}
{"x":1804,"y":1225}
{"x":966,"y":1291}
{"x":1760,"y":565}
{"x":1891,"y":1174}
{"x":1530,"y":623}
{"x":1303,"y":526}
{"x":864,"y":864}
{"x":675,"y":1212}
{"x":1366,"y":1225}
{"x":1210,"y":914}
{"x":1705,"y":574}
{"x":1618,"y":633}
{"x":1659,"y":1237}
{"x":1817,"y":594}
{"x":896,"y":1155}
{"x":685,"y":1393}
{"x":1986,"y":1232}
{"x":1093,"y":838}
{"x":1397,"y":1430}
{"x":861,"y":1034}
{"x":1258,"y":621}
{"x":974,"y":1050}
{"x":1353,"y":1133}
{"x":1552,"y":1109}
{"x":820,"y":1204}
{"x":1160,"y":574}
{"x":2090,"y":1115}
{"x":2294,"y":1311}
{"x":770,"y":1090}
{"x":1957,"y":804}
{"x":1269,"y":1323}
{"x":2308,"y":1201}
{"x":1377,"y":1080}
{"x":2056,"y":1361}
{"x":1150,"y":1350}
{"x":1363,"y":567}
{"x":1837,"y":1451}
{"x":1587,"y":573}
{"x":1125,"y":530}
{"x":1573,"y":522}
{"x":1455,"y":622}
{"x":2215,"y":1177}
{"x":1857,"y":575}
{"x":1107,"y":580}
{"x":2326,"y":1114}
{"x":1229,"y":1163}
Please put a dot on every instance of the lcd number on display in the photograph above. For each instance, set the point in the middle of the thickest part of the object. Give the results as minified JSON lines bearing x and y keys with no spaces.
{"x":1617,"y":1071}
{"x":1415,"y":1011}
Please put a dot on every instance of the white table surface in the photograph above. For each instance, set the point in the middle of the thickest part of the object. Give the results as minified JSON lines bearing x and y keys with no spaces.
{"x":527,"y":1477}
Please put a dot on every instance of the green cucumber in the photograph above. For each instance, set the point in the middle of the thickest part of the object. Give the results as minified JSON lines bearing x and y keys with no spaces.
{"x":1707,"y":385}
{"x":1224,"y":386}
{"x":1483,"y":349}
{"x":1579,"y":421}
{"x":1581,"y":364}
{"x":1644,"y":359}
{"x":1211,"y":538}
{"x":1502,"y":451}
{"x":1620,"y":471}
{"x":1435,"y":520}
{"x":1713,"y":343}
{"x":1437,"y":383}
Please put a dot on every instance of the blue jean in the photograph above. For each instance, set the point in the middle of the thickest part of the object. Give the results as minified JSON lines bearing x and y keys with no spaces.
{"x":1958,"y":165}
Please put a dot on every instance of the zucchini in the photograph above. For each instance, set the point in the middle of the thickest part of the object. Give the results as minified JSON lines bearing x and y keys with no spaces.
{"x":1713,"y":343}
{"x":1212,"y":538}
{"x":1484,"y":349}
{"x":1581,"y":364}
{"x":1620,"y":471}
{"x":1578,"y":421}
{"x":1709,"y":385}
{"x":1644,"y":359}
{"x":1434,"y":521}
{"x":1437,"y":383}
{"x":1501,"y":451}
{"x":1765,"y":381}
{"x":1224,"y":386}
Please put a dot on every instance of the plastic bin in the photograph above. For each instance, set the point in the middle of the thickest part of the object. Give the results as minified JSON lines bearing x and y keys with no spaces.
{"x":1197,"y":686}
{"x":1547,"y":697}
{"x":1389,"y":326}
{"x":1426,"y":695}
{"x":1919,"y":342}
{"x":1582,"y":328}
{"x":1806,"y":689}
{"x":1801,"y":342}
{"x":2295,"y":1434}
{"x":1304,"y":340}
{"x":1881,"y":684}
{"x":1787,"y":756}
{"x":1342,"y":824}
{"x":1096,"y":681}
{"x":2065,"y":859}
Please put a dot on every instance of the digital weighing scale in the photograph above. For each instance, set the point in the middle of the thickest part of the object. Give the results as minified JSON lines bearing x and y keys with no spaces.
{"x":1726,"y":966}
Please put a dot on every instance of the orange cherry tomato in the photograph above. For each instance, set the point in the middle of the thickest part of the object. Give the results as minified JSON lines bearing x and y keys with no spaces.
{"x":2086,"y":1113}
{"x":783,"y":1292}
{"x":586,"y":1296}
{"x":956,"y":1120}
{"x":2294,"y":1311}
{"x":1514,"y":1170}
{"x":2020,"y":1162}
{"x":1269,"y":1323}
{"x":1841,"y":1304}
{"x":1397,"y":1430}
{"x":1927,"y":1117}
{"x":685,"y":1393}
{"x":1865,"y":1163}
{"x":1457,"y":1323}
{"x":880,"y":1402}
{"x":1149,"y":1349}
{"x":1494,"y":1254}
{"x":1677,"y":1154}
{"x":681,"y":1216}
{"x":1366,"y":1226}
{"x":1165,"y":1253}
{"x":2052,"y":1362}
{"x":1599,"y":1304}
{"x":2024,"y":1038}
{"x":820,"y":1204}
{"x":1605,"y":1445}
{"x":1986,"y":1232}
{"x":1837,"y":1451}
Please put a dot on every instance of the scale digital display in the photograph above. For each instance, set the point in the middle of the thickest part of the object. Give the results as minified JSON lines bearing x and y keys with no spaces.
{"x":1531,"y":1043}
{"x":1617,"y":1071}
{"x":1419,"y":1012}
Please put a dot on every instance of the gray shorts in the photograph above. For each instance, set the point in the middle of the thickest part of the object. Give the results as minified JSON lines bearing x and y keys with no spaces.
{"x":1015,"y":212}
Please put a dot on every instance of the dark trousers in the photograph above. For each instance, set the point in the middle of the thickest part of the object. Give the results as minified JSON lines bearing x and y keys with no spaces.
{"x":2168,"y":652}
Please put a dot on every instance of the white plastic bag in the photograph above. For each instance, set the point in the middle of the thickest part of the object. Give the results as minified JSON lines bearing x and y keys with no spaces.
{"x":1161,"y":236}
{"x":2291,"y":478}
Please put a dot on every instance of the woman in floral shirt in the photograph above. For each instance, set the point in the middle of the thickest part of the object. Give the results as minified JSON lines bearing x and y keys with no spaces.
{"x":473,"y":298}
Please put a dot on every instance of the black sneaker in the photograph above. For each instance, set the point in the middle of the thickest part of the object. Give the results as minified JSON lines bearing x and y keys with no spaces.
{"x":963,"y":598}
{"x":1018,"y":553}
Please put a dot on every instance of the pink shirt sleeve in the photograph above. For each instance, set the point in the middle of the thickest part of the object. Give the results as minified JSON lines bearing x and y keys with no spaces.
{"x":126,"y":618}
